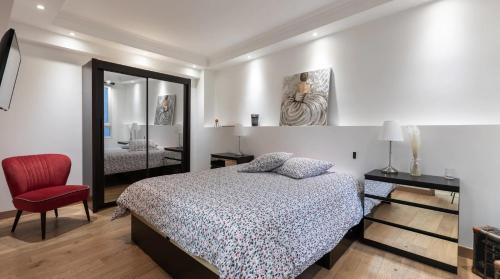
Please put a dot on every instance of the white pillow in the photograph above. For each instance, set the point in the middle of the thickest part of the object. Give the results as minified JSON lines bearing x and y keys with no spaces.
{"x":303,"y":167}
{"x":266,"y":162}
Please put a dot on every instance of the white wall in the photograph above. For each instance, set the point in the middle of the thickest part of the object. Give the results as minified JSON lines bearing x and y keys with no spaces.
{"x":205,"y":141}
{"x":437,"y":64}
{"x":46,"y":113}
{"x":5,"y":10}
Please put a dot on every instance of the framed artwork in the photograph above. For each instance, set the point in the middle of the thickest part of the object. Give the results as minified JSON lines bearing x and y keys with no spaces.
{"x":305,"y":98}
{"x":165,"y":110}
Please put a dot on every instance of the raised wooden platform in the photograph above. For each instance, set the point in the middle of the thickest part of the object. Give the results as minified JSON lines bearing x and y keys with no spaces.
{"x":179,"y":264}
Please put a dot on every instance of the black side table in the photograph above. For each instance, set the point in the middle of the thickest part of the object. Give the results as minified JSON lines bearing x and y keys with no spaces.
{"x":219,"y":160}
{"x":178,"y":149}
{"x":388,"y":216}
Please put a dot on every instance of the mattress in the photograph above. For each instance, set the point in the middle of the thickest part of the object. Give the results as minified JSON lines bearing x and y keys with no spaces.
{"x":257,"y":225}
{"x":123,"y":160}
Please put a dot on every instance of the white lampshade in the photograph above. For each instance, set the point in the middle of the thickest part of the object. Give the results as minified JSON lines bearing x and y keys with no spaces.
{"x":239,"y":130}
{"x":391,"y":131}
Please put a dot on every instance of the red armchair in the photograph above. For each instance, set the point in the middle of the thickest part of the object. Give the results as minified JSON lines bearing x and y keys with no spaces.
{"x":37,"y":183}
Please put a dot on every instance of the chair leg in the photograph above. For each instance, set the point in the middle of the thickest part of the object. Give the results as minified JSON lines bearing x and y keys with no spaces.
{"x":42,"y":219}
{"x":86,"y":206}
{"x":18,"y":215}
{"x":55,"y":212}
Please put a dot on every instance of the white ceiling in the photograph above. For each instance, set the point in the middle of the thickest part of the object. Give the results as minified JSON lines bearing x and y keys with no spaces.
{"x":205,"y":33}
{"x":203,"y":27}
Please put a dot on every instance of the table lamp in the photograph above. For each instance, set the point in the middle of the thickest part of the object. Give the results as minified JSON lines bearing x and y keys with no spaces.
{"x":391,"y":131}
{"x":179,"y":129}
{"x":239,"y":131}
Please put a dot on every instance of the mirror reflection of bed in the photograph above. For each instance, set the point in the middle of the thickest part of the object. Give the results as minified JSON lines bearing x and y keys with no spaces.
{"x":132,"y":115}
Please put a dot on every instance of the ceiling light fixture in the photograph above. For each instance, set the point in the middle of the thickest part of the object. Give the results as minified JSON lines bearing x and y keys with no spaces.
{"x":194,"y":66}
{"x":40,"y":7}
{"x":249,"y":57}
{"x":72,"y":34}
{"x":315,"y":34}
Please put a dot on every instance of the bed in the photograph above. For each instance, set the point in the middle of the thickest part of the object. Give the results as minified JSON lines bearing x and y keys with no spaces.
{"x":238,"y":225}
{"x":118,"y":160}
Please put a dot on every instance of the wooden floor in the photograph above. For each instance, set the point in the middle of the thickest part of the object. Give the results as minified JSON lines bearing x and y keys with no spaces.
{"x":103,"y":249}
{"x":111,"y":193}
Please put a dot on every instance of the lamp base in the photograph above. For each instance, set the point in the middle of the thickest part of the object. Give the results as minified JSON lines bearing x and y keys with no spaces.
{"x":389,"y":170}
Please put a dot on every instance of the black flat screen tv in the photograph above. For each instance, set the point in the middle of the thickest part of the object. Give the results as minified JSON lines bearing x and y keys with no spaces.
{"x":10,"y":61}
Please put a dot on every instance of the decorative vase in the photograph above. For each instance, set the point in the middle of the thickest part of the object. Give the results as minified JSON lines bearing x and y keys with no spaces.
{"x":415,"y":167}
{"x":255,"y":119}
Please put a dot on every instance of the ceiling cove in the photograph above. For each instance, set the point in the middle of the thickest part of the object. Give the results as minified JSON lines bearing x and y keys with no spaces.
{"x":191,"y":35}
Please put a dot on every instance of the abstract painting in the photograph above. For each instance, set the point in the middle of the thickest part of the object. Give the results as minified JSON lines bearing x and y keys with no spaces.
{"x":165,"y":110}
{"x":305,"y":98}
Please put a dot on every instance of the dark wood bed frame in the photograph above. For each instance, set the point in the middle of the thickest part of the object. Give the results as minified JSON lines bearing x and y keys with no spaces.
{"x":179,"y":264}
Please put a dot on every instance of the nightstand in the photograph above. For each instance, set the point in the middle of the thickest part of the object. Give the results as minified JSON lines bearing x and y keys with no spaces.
{"x":178,"y":149}
{"x":220,"y":160}
{"x":413,"y":217}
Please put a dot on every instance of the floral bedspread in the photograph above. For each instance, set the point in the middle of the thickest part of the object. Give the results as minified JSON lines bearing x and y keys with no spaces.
{"x":248,"y":225}
{"x":124,"y":160}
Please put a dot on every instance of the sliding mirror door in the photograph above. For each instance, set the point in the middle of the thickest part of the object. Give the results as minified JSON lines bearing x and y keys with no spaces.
{"x":165,"y":119}
{"x":124,"y":132}
{"x":135,"y":126}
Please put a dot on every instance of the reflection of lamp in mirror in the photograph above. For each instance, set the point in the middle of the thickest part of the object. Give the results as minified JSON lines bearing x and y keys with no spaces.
{"x":179,"y":130}
{"x":391,"y":131}
{"x":133,"y":131}
{"x":239,"y":131}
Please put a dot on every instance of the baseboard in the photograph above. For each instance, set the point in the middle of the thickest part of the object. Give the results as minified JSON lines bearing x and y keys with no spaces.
{"x":7,"y":214}
{"x":11,"y":214}
{"x":465,"y":252}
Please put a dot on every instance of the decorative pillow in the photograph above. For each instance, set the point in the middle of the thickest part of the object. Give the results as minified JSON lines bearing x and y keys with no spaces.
{"x":303,"y":167}
{"x":140,"y":145}
{"x":266,"y":162}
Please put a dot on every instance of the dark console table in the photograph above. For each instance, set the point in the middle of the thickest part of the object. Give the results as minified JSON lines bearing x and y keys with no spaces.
{"x":411,"y":200}
{"x":219,"y":160}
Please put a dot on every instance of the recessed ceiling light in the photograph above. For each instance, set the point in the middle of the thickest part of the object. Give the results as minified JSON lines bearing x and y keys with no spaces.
{"x":40,"y":7}
{"x":249,"y":56}
{"x":72,"y":34}
{"x":194,"y":66}
{"x":315,"y":34}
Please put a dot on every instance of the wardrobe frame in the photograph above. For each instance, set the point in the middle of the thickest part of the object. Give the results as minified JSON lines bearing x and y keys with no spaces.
{"x":93,"y":122}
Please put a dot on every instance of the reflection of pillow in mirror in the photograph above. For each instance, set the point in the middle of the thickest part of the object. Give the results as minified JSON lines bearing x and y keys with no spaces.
{"x":140,"y":145}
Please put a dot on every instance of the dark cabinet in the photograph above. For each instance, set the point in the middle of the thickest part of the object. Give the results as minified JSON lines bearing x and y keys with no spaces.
{"x":220,"y":160}
{"x":136,"y":124}
{"x":414,"y":217}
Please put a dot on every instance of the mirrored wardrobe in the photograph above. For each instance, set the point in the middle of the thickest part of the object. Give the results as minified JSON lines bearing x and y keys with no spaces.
{"x":135,"y":126}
